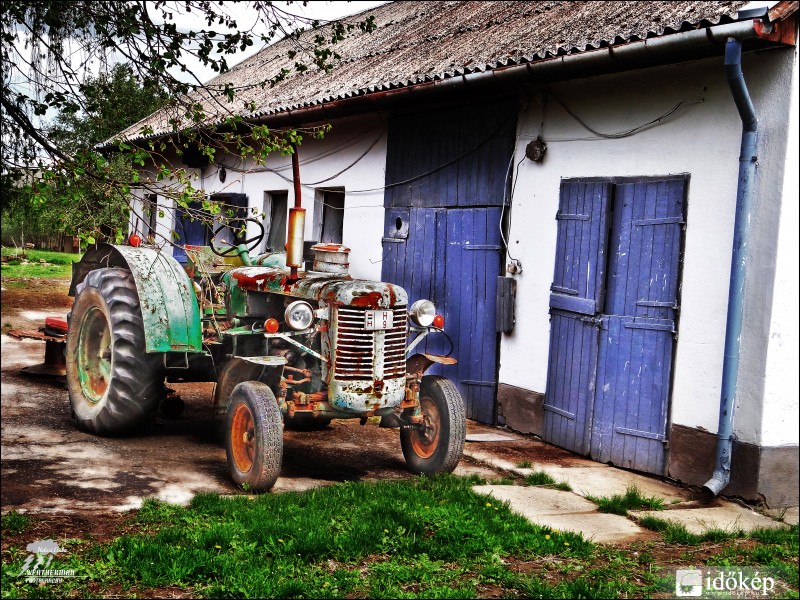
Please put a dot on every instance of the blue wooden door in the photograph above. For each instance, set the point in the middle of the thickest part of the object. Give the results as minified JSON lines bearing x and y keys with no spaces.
{"x":453,"y":257}
{"x":636,"y":340}
{"x":576,"y":299}
{"x":446,"y":182}
{"x":611,"y":343}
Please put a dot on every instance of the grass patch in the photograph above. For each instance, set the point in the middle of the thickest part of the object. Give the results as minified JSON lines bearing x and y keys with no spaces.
{"x":542,"y":479}
{"x":424,"y":538}
{"x":501,"y":481}
{"x":524,"y":464}
{"x":675,"y":533}
{"x":57,"y":265}
{"x":428,"y":537}
{"x":14,"y":522}
{"x":632,"y":499}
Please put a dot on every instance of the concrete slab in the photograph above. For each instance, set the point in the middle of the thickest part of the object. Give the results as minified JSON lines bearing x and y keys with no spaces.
{"x":490,"y":437}
{"x":601,"y":480}
{"x":588,"y":477}
{"x":787,"y":515}
{"x":728,"y":516}
{"x":565,"y":511}
{"x":490,"y":459}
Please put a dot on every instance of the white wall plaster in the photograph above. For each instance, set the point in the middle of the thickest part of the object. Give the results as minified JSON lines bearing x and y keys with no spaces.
{"x":700,"y":139}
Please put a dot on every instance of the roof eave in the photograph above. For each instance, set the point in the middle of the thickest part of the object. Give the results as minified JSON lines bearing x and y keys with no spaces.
{"x":657,"y":51}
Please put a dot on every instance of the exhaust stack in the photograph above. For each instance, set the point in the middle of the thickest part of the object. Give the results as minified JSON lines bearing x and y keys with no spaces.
{"x":297,"y":221}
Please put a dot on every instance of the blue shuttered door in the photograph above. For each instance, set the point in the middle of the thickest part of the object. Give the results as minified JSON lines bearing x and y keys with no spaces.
{"x":636,"y":342}
{"x":612,"y":330}
{"x":452,"y":257}
{"x":446,"y":182}
{"x":575,"y":301}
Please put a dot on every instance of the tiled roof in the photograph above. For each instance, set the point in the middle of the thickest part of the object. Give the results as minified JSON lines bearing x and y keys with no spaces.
{"x":417,"y":42}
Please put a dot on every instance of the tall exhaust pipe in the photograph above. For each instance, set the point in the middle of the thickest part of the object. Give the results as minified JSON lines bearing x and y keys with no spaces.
{"x":297,"y":221}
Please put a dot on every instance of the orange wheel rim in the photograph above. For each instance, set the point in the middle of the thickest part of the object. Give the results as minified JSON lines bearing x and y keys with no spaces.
{"x":243,"y":438}
{"x":425,"y":438}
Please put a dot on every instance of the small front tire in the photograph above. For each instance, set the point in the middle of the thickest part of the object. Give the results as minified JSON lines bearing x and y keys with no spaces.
{"x":436,"y":446}
{"x":254,"y":437}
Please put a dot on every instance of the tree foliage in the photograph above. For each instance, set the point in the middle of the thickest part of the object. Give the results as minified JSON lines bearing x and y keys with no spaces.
{"x":52,"y":52}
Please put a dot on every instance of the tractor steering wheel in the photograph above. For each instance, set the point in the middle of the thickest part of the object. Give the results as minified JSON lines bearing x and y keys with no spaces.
{"x":251,"y":243}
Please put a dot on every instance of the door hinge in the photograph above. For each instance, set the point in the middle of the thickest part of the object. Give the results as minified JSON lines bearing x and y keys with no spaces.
{"x":599,"y":321}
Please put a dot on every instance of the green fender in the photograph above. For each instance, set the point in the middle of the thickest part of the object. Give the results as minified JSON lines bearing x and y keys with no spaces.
{"x":169,"y":306}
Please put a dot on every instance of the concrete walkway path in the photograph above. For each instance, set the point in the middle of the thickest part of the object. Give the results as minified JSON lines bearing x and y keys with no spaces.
{"x":572,"y":511}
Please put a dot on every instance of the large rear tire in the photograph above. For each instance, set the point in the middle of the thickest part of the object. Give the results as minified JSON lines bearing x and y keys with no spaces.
{"x":114,"y":385}
{"x":436,"y":446}
{"x":254,"y":437}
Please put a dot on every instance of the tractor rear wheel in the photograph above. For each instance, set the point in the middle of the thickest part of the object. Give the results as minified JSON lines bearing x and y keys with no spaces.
{"x":437,"y":444}
{"x":254,"y":437}
{"x":113,"y":384}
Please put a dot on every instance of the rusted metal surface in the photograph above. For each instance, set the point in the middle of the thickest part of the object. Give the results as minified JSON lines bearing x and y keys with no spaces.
{"x":331,"y":258}
{"x":419,"y":363}
{"x":783,"y":10}
{"x":54,"y":364}
{"x":294,"y":243}
{"x":170,"y":312}
{"x":419,"y":43}
{"x":425,"y":439}
{"x":169,"y":307}
{"x":369,"y":371}
{"x":242,"y":436}
{"x":782,"y":31}
{"x":333,"y":289}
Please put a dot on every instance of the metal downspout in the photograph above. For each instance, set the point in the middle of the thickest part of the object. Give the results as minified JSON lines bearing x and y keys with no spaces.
{"x":733,"y":329}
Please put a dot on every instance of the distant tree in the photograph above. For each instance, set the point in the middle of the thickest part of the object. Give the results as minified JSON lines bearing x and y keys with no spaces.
{"x":50,"y":50}
{"x":110,"y":103}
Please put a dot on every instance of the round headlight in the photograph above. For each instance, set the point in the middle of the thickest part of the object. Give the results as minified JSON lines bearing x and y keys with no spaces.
{"x":299,"y":315}
{"x":422,"y":312}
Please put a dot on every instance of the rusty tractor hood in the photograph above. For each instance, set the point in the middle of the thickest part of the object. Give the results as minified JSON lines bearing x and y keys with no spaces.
{"x":330,"y":288}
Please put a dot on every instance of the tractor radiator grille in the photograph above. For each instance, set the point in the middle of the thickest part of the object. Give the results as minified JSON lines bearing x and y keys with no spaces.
{"x":362,"y":354}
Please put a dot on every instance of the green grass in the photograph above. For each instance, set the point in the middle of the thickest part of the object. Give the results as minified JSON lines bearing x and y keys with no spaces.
{"x":430,"y":537}
{"x":542,"y":479}
{"x":501,"y":481}
{"x":675,"y":533}
{"x":58,"y":264}
{"x":524,"y":464}
{"x":632,"y":499}
{"x":424,"y":538}
{"x":14,"y":522}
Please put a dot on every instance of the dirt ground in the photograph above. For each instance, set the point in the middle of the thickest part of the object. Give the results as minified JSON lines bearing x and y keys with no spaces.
{"x":49,"y":466}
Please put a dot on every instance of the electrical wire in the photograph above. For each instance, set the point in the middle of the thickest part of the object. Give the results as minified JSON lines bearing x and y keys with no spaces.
{"x":627,"y":132}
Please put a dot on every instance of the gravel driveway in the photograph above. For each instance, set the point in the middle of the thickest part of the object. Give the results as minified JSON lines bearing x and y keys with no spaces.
{"x":48,"y":465}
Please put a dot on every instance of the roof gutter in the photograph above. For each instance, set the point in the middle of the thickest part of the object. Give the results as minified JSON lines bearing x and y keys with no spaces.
{"x":662,"y":50}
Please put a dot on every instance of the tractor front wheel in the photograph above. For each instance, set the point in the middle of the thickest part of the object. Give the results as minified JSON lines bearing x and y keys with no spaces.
{"x":436,"y":445}
{"x":254,"y":437}
{"x":113,"y":384}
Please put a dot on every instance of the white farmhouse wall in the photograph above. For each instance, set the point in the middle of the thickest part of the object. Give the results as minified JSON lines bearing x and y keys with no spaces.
{"x":782,"y":381}
{"x":360,"y":142}
{"x":701,"y":139}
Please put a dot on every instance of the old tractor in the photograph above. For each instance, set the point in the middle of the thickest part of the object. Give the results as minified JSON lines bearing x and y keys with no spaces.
{"x":285,"y":344}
